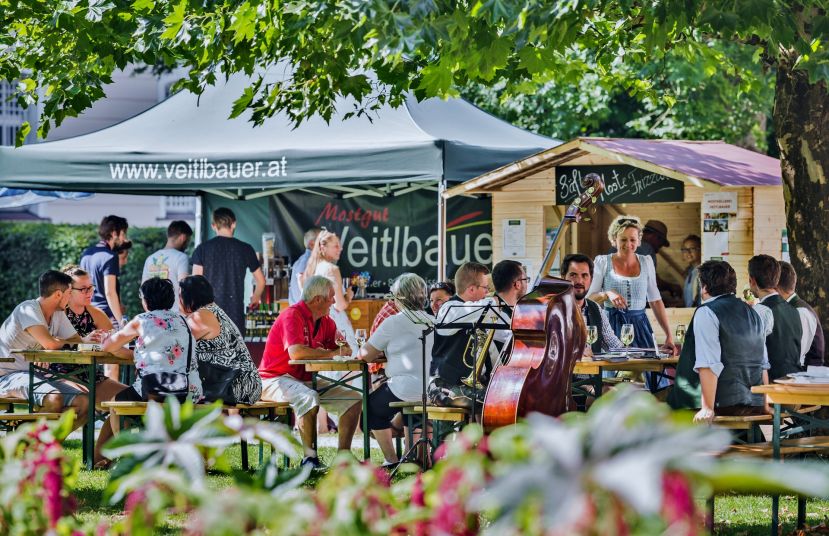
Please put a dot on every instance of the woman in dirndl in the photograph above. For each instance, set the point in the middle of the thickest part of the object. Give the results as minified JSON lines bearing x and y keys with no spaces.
{"x":625,"y":282}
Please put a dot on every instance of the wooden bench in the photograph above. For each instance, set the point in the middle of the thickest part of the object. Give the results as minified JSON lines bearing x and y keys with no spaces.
{"x":788,"y":447}
{"x":10,"y":421}
{"x":266,"y":408}
{"x":438,"y":413}
{"x":262,"y":409}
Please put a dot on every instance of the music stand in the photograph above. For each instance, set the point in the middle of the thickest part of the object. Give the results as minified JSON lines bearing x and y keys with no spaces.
{"x":474,"y":317}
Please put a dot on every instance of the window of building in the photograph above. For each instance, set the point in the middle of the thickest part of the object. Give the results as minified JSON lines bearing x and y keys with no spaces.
{"x":12,"y":115}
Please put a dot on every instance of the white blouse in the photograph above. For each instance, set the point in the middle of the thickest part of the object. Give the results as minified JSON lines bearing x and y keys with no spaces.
{"x":637,"y":290}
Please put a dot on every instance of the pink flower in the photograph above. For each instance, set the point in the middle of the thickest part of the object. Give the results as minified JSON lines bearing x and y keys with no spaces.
{"x":678,"y":502}
{"x":160,"y":322}
{"x":177,"y":351}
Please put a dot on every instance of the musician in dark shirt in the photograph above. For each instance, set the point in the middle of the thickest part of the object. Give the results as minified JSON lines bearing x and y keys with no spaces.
{"x":451,"y":359}
{"x":578,"y":269}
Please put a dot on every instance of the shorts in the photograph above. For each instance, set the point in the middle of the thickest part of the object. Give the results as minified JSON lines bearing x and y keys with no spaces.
{"x":380,"y":413}
{"x":129,"y":395}
{"x":303,"y":398}
{"x":16,"y":385}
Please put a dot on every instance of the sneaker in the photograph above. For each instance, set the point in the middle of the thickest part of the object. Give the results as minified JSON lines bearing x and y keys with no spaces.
{"x":389,"y":466}
{"x":313,"y":461}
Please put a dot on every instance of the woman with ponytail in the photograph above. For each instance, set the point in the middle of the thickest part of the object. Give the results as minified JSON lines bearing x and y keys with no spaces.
{"x":323,"y":261}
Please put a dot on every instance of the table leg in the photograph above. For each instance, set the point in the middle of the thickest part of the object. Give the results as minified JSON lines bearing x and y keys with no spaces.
{"x":31,"y":387}
{"x":314,"y":435}
{"x":366,"y":438}
{"x":89,"y":429}
{"x":598,"y":384}
{"x":775,"y":445}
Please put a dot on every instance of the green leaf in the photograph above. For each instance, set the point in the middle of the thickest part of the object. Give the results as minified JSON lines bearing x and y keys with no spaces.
{"x":243,"y":23}
{"x":174,"y":22}
{"x":436,"y":79}
{"x":143,"y":5}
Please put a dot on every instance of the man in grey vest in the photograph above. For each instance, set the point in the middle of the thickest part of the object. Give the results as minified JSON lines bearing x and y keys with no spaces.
{"x":578,"y":269}
{"x":812,"y":346}
{"x":780,"y":319}
{"x":723,"y":356}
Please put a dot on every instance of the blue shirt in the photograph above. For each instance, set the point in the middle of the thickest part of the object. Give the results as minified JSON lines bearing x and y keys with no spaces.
{"x":708,"y":352}
{"x":100,"y":261}
{"x":295,"y":292}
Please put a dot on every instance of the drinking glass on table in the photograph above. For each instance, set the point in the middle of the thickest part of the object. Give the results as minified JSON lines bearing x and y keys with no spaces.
{"x":340,"y":341}
{"x":680,"y":333}
{"x":360,"y":335}
{"x":626,"y":335}
{"x":592,"y":335}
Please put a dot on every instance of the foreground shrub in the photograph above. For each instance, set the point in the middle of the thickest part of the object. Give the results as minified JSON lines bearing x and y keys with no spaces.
{"x":627,"y":467}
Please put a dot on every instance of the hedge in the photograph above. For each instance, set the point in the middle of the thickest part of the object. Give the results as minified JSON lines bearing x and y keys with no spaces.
{"x":29,"y":249}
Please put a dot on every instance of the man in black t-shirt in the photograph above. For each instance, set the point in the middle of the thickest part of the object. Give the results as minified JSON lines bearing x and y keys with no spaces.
{"x":223,"y":260}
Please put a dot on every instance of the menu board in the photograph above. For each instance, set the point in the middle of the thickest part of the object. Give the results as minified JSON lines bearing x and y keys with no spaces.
{"x":622,"y":184}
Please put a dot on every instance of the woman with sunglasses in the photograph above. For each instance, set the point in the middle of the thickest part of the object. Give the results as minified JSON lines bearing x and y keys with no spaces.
{"x":625,"y":282}
{"x":86,"y":318}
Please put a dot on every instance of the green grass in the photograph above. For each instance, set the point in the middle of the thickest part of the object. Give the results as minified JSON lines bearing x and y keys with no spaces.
{"x":90,"y":487}
{"x":735,"y":515}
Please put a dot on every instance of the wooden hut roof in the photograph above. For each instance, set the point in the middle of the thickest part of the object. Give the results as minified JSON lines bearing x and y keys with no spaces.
{"x":690,"y":161}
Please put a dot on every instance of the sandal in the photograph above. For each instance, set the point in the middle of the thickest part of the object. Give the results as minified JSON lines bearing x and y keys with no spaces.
{"x":103,"y":464}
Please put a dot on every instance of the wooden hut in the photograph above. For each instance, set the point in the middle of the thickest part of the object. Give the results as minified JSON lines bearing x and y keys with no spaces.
{"x":665,"y":180}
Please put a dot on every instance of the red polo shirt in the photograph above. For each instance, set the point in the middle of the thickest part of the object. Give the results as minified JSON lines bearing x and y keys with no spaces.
{"x":295,"y":325}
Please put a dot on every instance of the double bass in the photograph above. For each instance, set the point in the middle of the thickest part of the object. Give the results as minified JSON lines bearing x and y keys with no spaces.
{"x":549,"y":336}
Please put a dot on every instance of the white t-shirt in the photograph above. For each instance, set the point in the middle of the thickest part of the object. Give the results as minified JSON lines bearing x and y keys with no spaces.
{"x":399,"y":338}
{"x":167,"y":263}
{"x":13,"y":334}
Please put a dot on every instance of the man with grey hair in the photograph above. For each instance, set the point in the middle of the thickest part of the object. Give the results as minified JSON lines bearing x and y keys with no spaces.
{"x":305,"y":331}
{"x":295,"y":290}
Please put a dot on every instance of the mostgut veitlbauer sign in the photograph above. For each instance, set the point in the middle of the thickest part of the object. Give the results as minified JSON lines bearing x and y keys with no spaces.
{"x":622,"y":184}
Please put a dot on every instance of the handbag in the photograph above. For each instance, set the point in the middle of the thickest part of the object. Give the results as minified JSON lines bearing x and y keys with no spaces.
{"x":159,"y":385}
{"x":217,"y":382}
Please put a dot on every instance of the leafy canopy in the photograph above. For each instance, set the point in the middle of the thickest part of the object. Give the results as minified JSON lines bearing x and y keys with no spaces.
{"x":63,"y":51}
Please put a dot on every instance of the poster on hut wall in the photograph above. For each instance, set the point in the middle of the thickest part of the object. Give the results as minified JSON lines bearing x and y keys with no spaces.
{"x":386,"y":236}
{"x":717,"y":208}
{"x":622,"y":184}
{"x":714,"y":237}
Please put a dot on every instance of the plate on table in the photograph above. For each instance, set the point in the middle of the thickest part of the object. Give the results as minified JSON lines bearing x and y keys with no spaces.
{"x":614,"y":357}
{"x":799,"y":379}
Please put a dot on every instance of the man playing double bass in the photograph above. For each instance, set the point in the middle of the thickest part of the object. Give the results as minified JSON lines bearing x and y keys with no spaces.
{"x":451,"y":359}
{"x":578,"y":269}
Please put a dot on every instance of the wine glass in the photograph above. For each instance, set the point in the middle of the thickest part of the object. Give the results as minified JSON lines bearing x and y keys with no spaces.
{"x":592,"y":335}
{"x":626,"y":335}
{"x":340,"y":340}
{"x":680,"y":333}
{"x":360,"y":335}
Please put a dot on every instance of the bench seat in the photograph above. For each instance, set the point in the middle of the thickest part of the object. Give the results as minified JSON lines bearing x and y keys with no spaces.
{"x":788,"y":447}
{"x":263,"y":407}
{"x":438,"y":413}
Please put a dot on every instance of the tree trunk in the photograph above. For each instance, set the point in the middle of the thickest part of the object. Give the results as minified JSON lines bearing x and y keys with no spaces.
{"x":801,"y":117}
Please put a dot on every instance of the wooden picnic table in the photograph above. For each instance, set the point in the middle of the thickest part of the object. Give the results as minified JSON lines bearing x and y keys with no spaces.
{"x":794,"y":394}
{"x":317,"y":367}
{"x":594,"y":369}
{"x":88,"y":360}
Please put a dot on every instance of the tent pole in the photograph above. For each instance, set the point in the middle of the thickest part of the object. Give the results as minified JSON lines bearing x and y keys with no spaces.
{"x":441,"y":230}
{"x":199,"y":219}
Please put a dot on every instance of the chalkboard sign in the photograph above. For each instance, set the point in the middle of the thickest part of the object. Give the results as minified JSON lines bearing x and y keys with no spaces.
{"x":622,"y":184}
